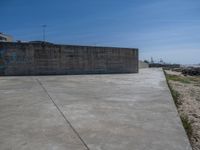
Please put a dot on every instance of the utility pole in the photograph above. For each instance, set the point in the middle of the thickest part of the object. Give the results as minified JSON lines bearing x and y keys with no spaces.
{"x":44,"y":31}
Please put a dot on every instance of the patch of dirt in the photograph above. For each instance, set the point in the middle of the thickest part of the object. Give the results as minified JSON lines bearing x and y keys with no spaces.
{"x":189,"y":106}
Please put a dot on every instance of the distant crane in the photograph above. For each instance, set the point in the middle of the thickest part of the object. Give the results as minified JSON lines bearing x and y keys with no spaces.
{"x":152,"y":61}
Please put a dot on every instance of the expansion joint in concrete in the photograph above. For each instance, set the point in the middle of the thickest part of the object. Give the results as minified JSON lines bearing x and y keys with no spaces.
{"x":65,"y":118}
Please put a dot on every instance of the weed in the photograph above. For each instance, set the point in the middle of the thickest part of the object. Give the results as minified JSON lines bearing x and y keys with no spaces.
{"x":178,"y":78}
{"x":187,"y":125}
{"x":176,"y":96}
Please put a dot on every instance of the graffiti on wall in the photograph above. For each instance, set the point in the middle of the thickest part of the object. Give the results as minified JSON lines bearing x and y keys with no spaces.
{"x":2,"y":60}
{"x":8,"y":57}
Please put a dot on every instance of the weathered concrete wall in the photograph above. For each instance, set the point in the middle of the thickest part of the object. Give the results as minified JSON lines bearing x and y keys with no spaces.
{"x":49,"y":59}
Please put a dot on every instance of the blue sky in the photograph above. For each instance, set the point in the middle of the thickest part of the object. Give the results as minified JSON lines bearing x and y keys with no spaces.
{"x":167,"y":29}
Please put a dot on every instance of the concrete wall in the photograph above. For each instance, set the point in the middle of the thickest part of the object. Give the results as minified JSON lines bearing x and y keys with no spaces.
{"x":142,"y":64}
{"x":50,"y":59}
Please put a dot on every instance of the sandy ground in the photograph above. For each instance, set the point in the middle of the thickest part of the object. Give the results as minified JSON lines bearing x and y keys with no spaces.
{"x":189,"y":105}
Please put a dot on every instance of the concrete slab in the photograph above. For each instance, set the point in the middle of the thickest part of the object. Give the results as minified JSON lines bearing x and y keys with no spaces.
{"x":96,"y":112}
{"x":29,"y":120}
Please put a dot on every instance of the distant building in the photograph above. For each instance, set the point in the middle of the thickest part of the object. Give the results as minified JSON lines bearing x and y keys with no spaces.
{"x":5,"y":38}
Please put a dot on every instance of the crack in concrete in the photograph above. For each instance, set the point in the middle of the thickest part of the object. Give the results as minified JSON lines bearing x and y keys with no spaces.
{"x":65,"y":118}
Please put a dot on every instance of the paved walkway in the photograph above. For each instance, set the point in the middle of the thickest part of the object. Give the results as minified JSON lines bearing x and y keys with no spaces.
{"x":96,"y":112}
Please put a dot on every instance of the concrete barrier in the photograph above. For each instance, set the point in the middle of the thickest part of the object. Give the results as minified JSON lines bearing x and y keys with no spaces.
{"x":52,"y":59}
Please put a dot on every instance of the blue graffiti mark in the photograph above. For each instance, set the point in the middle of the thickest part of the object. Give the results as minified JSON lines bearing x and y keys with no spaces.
{"x":2,"y":52}
{"x":14,"y":56}
{"x":11,"y":58}
{"x":6,"y":58}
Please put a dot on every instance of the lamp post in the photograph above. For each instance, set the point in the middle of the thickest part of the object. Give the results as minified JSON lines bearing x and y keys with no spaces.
{"x":44,"y":31}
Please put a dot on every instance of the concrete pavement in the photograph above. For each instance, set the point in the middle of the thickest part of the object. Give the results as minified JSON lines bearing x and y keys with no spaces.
{"x":96,"y":112}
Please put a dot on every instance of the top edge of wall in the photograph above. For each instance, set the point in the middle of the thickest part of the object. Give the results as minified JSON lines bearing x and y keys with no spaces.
{"x":49,"y":44}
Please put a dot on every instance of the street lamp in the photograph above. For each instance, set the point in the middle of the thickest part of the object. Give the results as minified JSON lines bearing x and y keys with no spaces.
{"x":44,"y":27}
